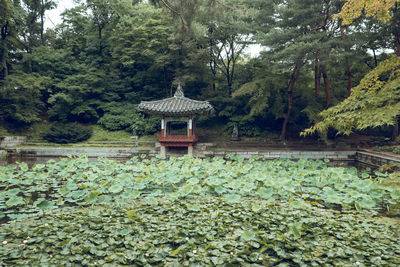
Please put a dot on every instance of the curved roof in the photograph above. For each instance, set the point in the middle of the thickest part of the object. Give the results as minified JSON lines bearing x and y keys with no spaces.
{"x":176,"y":105}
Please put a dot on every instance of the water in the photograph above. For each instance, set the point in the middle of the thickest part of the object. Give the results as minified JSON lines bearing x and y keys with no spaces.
{"x":42,"y":160}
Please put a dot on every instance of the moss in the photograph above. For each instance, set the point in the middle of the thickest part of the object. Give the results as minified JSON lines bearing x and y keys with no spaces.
{"x":100,"y":134}
{"x":394,"y":148}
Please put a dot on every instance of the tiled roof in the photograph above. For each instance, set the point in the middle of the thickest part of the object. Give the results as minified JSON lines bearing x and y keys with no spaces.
{"x":177,"y":105}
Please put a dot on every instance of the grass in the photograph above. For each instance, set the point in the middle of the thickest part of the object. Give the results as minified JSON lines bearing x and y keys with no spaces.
{"x":395,"y":149}
{"x":100,"y":134}
{"x":34,"y":131}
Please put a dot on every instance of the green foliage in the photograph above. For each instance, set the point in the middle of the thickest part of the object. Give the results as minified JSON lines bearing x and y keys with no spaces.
{"x":391,"y":167}
{"x":100,"y":134}
{"x":214,"y":233}
{"x":394,"y":149}
{"x":264,"y":92}
{"x":127,"y":51}
{"x":125,"y":116}
{"x":374,"y":102}
{"x":73,"y":181}
{"x":246,"y":124}
{"x":193,"y":211}
{"x":67,"y":133}
{"x":140,"y":48}
{"x":78,"y":97}
{"x":20,"y":98}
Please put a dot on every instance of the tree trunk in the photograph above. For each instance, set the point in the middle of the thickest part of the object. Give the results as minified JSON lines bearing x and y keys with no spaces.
{"x":295,"y":75}
{"x":212,"y":61}
{"x":100,"y":44}
{"x":375,"y":58}
{"x":349,"y":77}
{"x":348,"y":67}
{"x":326,"y":84}
{"x":42,"y":23}
{"x":4,"y":34}
{"x":4,"y":63}
{"x":395,"y":132}
{"x":317,"y":77}
{"x":396,"y":31}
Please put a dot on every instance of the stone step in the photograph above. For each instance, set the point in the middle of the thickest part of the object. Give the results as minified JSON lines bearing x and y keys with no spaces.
{"x":87,"y":145}
{"x":96,"y":142}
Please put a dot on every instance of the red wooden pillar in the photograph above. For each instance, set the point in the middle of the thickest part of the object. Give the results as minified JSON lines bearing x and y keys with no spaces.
{"x":190,"y":125}
{"x":162,"y":127}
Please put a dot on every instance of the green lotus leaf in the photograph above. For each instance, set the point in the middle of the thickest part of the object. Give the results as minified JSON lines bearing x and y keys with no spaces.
{"x":78,"y":194}
{"x":15,"y":201}
{"x":135,"y":194}
{"x":12,"y":192}
{"x":248,"y":235}
{"x":295,"y":230}
{"x":186,"y":190}
{"x":256,"y":207}
{"x":131,"y":213}
{"x":151,"y":200}
{"x":193,"y":181}
{"x":193,"y":207}
{"x":176,"y":252}
{"x":367,"y":203}
{"x":220,"y":189}
{"x":231,"y":198}
{"x":395,"y":194}
{"x":91,"y":197}
{"x":265,"y":192}
{"x":116,"y":188}
{"x":45,"y":204}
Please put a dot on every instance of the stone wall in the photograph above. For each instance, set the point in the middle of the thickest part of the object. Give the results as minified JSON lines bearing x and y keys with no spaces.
{"x":91,"y":152}
{"x":374,"y":159}
{"x":332,"y":155}
{"x":10,"y":141}
{"x":365,"y":158}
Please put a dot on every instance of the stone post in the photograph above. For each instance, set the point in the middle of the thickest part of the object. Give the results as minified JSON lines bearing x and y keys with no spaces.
{"x":163,"y":151}
{"x":190,"y":151}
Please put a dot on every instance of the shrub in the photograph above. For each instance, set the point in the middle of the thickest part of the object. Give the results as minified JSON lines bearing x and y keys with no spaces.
{"x":67,"y":133}
{"x":125,"y":116}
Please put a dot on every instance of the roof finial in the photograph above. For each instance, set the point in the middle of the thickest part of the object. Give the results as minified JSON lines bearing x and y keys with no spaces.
{"x":179,"y":91}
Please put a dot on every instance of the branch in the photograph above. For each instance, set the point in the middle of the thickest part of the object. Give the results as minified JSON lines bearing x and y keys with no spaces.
{"x":174,"y":11}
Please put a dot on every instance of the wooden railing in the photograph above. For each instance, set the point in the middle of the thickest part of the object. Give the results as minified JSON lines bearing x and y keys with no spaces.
{"x":178,"y":139}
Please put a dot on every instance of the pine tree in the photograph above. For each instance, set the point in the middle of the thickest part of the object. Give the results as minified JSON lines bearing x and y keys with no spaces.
{"x":298,"y":33}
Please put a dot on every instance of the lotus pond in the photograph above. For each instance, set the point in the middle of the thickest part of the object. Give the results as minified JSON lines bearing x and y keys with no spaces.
{"x":190,"y":211}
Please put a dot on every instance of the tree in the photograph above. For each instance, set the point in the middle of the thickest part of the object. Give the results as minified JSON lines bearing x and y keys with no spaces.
{"x":298,"y":33}
{"x":36,"y":10}
{"x":102,"y":15}
{"x":228,"y":34}
{"x":353,"y":9}
{"x":384,"y":10}
{"x":20,"y":101}
{"x":375,"y":101}
{"x":72,"y":32}
{"x":140,"y":49}
{"x":5,"y":16}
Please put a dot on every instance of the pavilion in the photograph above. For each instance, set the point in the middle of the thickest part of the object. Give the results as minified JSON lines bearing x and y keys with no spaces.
{"x":177,"y":108}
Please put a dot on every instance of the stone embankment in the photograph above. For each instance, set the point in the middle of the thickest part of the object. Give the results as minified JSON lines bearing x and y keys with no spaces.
{"x":348,"y":155}
{"x":11,"y":141}
{"x":91,"y":152}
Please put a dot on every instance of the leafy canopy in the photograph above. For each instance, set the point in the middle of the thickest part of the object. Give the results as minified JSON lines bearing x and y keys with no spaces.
{"x":374,"y":102}
{"x":353,"y":9}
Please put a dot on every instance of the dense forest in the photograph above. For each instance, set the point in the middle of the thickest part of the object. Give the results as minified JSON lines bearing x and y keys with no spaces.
{"x":108,"y":55}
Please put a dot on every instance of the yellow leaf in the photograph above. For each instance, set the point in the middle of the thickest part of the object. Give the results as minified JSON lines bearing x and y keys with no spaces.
{"x":175,"y":252}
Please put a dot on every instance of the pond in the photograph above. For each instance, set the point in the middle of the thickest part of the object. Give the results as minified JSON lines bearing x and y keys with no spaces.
{"x":185,"y":211}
